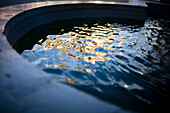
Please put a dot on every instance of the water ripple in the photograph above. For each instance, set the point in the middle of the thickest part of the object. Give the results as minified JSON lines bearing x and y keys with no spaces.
{"x":126,"y":65}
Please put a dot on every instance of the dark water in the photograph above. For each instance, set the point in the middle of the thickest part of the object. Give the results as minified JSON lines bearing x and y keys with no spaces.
{"x":127,"y":65}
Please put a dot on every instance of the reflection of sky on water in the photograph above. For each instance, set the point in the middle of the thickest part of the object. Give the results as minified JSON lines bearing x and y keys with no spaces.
{"x":112,"y":55}
{"x":82,"y":47}
{"x":88,"y":44}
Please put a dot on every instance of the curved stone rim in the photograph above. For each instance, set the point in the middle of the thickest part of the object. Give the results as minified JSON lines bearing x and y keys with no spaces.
{"x":24,"y":88}
{"x":66,"y":12}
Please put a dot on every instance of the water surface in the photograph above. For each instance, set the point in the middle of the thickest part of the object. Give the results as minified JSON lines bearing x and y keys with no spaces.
{"x":127,"y":65}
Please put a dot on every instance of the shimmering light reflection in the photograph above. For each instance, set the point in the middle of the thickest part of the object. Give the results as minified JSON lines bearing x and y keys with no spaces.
{"x":70,"y":80}
{"x":84,"y":43}
{"x":123,"y":64}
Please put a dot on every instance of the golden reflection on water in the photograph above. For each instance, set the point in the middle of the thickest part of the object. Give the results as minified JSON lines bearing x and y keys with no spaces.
{"x":85,"y":40}
{"x":70,"y":80}
{"x":61,"y":58}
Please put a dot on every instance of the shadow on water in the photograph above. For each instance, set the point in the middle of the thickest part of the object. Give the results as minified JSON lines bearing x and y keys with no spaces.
{"x":124,"y":64}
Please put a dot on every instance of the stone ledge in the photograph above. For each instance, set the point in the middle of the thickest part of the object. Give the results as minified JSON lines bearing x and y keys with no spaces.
{"x":31,"y":18}
{"x":25,"y":89}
